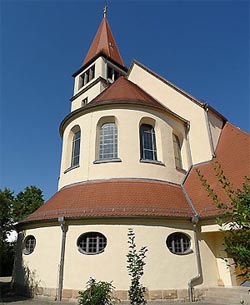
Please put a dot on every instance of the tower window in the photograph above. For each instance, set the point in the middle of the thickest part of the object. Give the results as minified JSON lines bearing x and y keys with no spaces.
{"x":178,"y":243}
{"x":76,"y":149}
{"x":147,"y":142}
{"x":91,"y":243}
{"x":112,"y":74}
{"x":108,"y":141}
{"x":87,"y":76}
{"x":84,"y":101}
{"x":177,"y":151}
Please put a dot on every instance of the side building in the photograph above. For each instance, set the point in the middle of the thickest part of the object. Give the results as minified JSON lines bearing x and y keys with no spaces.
{"x":131,"y":146}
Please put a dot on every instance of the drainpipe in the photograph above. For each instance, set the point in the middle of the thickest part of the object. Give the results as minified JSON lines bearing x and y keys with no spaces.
{"x":206,"y":108}
{"x":64,"y":229}
{"x":194,"y":221}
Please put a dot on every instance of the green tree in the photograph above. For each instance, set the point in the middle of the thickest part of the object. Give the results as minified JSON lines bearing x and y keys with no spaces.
{"x":236,"y":213}
{"x":135,"y":270}
{"x":12,"y":209}
{"x":27,"y":202}
{"x":6,"y":226}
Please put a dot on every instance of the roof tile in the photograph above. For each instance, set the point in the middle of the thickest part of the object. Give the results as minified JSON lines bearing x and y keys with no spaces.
{"x":115,"y":198}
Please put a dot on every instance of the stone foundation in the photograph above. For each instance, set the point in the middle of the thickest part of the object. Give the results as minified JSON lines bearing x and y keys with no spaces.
{"x":180,"y":295}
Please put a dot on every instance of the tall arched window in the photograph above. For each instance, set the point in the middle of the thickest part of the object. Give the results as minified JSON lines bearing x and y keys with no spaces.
{"x":177,"y":151}
{"x":147,"y":142}
{"x":76,"y":148}
{"x":108,"y":141}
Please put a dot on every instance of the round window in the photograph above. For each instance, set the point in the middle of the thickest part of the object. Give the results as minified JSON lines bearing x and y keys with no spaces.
{"x":178,"y":243}
{"x":91,"y":243}
{"x":29,"y":244}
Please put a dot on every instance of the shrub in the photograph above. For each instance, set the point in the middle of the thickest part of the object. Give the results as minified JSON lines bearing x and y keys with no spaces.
{"x":97,"y":293}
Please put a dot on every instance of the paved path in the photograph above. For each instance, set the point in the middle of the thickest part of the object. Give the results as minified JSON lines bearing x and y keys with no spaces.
{"x":49,"y":302}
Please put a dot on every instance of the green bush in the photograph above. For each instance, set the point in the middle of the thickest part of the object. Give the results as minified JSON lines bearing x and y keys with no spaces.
{"x":97,"y":293}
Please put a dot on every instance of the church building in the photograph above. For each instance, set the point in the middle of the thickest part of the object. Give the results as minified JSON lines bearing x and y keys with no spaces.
{"x":131,"y":146}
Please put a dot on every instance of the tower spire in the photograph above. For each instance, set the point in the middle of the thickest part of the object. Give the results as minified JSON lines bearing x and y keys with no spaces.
{"x":104,"y":42}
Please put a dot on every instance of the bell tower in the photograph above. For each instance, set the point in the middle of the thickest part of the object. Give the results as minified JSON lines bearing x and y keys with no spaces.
{"x":102,"y":65}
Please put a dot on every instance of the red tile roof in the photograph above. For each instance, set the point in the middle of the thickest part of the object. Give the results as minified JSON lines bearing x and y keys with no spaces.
{"x":104,"y":42}
{"x":124,"y":90}
{"x":233,"y":154}
{"x":115,"y":198}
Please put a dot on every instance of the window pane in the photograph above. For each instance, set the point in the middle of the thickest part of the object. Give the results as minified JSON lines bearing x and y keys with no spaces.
{"x":108,"y":141}
{"x":76,"y":149}
{"x":148,"y":142}
{"x":91,"y":243}
{"x":178,"y":243}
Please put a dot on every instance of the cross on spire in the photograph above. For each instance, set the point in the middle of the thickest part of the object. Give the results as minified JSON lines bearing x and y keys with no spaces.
{"x":105,"y":10}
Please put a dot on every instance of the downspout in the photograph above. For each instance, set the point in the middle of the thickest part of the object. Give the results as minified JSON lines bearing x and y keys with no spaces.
{"x":195,"y":220}
{"x":64,"y":229}
{"x":206,"y":108}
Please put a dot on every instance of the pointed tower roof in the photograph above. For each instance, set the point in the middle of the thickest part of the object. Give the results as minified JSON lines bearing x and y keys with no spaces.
{"x":104,"y":42}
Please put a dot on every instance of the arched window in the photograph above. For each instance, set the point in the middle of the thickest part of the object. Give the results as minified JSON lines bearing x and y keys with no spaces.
{"x":108,"y":141}
{"x":76,"y":148}
{"x":147,"y":142}
{"x":177,"y":151}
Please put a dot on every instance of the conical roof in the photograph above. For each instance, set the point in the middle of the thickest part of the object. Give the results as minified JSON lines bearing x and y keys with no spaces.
{"x":124,"y":90}
{"x":104,"y":42}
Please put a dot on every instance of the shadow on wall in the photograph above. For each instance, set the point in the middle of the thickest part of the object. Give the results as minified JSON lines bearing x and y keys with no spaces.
{"x":24,"y":282}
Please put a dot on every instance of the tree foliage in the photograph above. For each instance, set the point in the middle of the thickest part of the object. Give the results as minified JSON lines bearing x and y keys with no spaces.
{"x":12,"y":209}
{"x":135,"y":270}
{"x":236,"y":214}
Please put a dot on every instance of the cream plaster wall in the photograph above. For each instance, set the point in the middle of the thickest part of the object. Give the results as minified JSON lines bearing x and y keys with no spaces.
{"x":110,"y":265}
{"x":216,"y":125}
{"x":91,"y":93}
{"x":211,"y":253}
{"x":127,"y":120}
{"x":44,"y":261}
{"x":180,"y":104}
{"x":163,"y":269}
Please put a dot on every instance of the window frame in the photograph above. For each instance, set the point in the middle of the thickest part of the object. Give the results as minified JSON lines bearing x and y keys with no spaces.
{"x":108,"y":139}
{"x":76,"y":148}
{"x":152,"y":142}
{"x":94,"y":240}
{"x":177,"y":245}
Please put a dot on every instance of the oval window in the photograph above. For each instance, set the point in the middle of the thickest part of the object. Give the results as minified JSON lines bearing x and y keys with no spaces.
{"x":178,"y":243}
{"x":91,"y":243}
{"x":29,"y":244}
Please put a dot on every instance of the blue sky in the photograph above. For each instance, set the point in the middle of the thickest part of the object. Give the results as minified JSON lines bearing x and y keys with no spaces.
{"x":201,"y":46}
